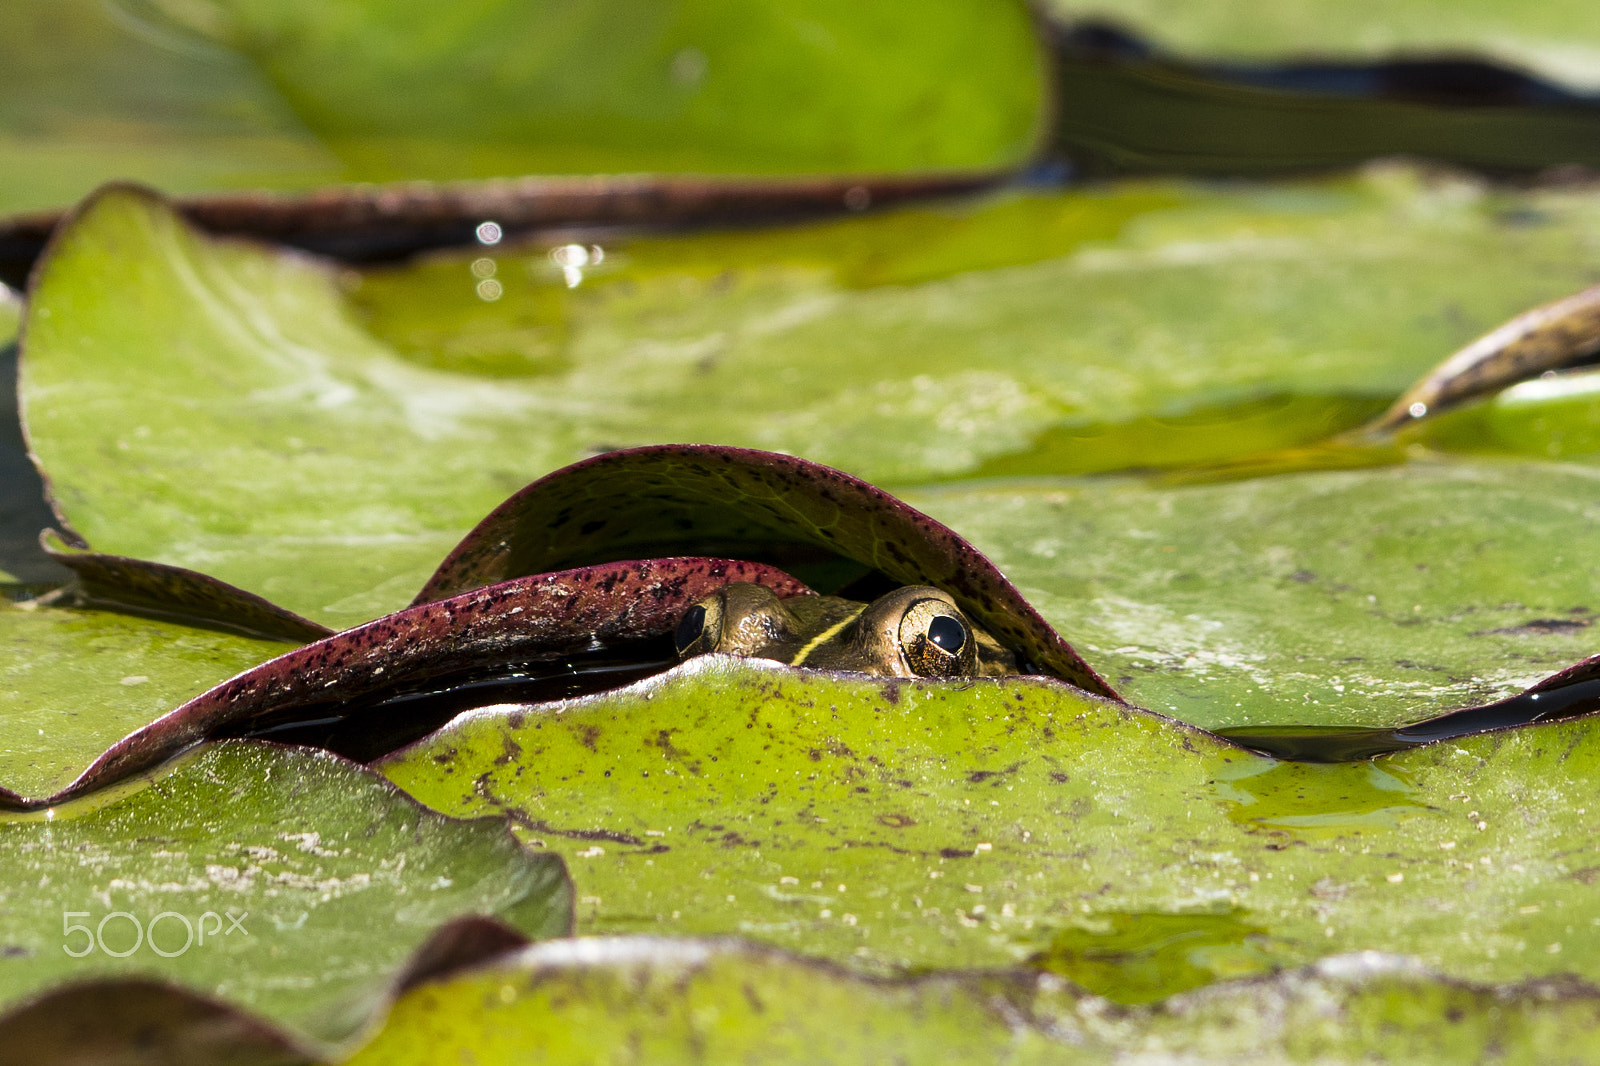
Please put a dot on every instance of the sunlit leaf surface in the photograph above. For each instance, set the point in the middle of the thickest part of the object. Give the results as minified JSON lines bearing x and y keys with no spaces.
{"x":333,"y":879}
{"x":644,"y":1000}
{"x":231,"y":93}
{"x":73,"y":682}
{"x":1369,"y":597}
{"x":896,"y":825}
{"x":329,"y":470}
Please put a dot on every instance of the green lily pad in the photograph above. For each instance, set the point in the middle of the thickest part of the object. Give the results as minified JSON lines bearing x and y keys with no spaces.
{"x":332,"y":878}
{"x":72,"y":682}
{"x":1363,"y":597}
{"x":315,"y":508}
{"x":908,"y":825}
{"x":696,"y":85}
{"x":720,"y":1002}
{"x":1557,"y":38}
{"x":96,"y":91}
{"x":234,"y":94}
{"x":1554,"y":418}
{"x":336,"y":520}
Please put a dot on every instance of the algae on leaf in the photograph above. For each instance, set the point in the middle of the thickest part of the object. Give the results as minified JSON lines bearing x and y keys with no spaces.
{"x":910,"y":825}
{"x":1363,"y":597}
{"x":721,"y":1002}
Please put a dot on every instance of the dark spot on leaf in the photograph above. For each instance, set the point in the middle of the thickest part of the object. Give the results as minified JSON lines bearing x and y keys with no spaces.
{"x":955,"y":853}
{"x":1538,"y":627}
{"x":896,"y":821}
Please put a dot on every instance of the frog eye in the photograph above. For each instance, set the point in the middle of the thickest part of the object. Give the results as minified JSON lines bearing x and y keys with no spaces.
{"x":936,"y":641}
{"x":700,"y":628}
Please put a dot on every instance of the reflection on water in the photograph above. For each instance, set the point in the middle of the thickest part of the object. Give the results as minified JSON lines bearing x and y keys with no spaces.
{"x":1263,"y":429}
{"x":1299,"y":799}
{"x":1140,"y":957}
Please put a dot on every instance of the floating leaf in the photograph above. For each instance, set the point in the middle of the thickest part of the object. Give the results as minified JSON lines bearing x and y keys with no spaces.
{"x":723,"y":1002}
{"x":311,"y":881}
{"x":338,"y":513}
{"x":652,"y":501}
{"x":72,"y":682}
{"x":236,"y":94}
{"x":895,"y":825}
{"x":624,"y":87}
{"x":1549,"y":36}
{"x":509,"y":627}
{"x":1548,"y":338}
{"x":1354,"y":598}
{"x":155,"y":588}
{"x":109,"y":1018}
{"x":95,"y":91}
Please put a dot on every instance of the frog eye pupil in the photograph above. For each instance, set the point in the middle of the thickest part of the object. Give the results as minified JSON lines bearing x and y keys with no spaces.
{"x":948,"y":633}
{"x":689,"y":628}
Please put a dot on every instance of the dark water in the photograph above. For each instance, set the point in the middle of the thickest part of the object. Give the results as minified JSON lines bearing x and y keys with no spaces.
{"x":365,"y":730}
{"x":1328,"y":744}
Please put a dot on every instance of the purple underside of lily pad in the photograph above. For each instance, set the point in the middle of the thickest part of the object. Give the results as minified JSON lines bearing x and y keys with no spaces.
{"x":172,"y":591}
{"x":779,"y":509}
{"x":504,"y":626}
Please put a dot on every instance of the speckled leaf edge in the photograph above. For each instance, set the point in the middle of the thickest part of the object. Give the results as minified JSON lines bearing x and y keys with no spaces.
{"x":513,"y":622}
{"x":665,"y":498}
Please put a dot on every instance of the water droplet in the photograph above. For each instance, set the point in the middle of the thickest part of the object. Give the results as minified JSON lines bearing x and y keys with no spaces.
{"x":483,"y":268}
{"x":489,"y":233}
{"x":490,"y":290}
{"x":688,"y":67}
{"x":1418,"y":410}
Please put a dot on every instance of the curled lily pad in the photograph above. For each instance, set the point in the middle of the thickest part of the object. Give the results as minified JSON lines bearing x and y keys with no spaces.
{"x":369,"y":222}
{"x":157,"y":588}
{"x":1548,"y":338}
{"x":758,"y":505}
{"x":506,"y":626}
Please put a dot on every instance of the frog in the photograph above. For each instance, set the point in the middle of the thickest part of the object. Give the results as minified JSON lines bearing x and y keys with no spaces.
{"x":913,"y":631}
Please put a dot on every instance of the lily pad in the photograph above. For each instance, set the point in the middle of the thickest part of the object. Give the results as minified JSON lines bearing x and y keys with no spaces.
{"x":701,"y":85}
{"x":1556,"y":417}
{"x":100,"y":90}
{"x":510,"y":627}
{"x":1538,"y":342}
{"x":913,"y":825}
{"x":337,"y":513}
{"x":1363,"y":597}
{"x":650,"y":501}
{"x":311,"y":881}
{"x":722,"y":1002}
{"x":1557,"y":38}
{"x":72,"y":682}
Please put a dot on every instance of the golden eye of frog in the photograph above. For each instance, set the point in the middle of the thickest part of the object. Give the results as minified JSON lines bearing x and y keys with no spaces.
{"x":911,"y":632}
